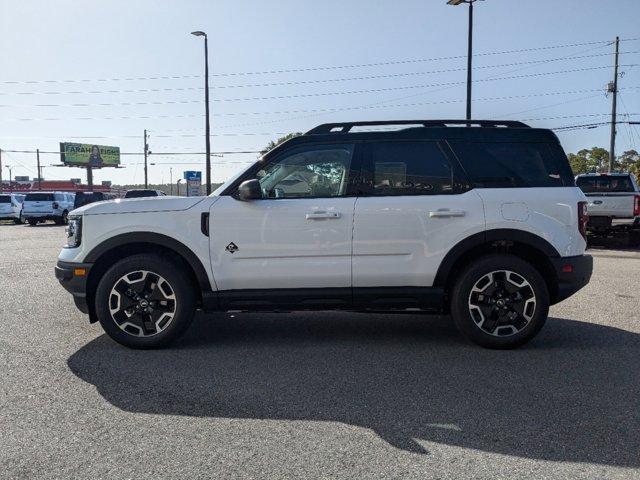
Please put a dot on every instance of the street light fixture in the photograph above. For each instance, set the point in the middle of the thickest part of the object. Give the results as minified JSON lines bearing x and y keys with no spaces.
{"x":199,"y":33}
{"x":469,"y":49}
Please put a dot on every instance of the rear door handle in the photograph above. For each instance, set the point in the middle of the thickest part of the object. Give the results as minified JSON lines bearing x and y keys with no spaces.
{"x":445,"y":212}
{"x":321,"y":215}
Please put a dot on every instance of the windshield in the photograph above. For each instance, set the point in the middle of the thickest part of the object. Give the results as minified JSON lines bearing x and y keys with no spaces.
{"x":605,"y":183}
{"x":39,"y":197}
{"x":140,"y":193}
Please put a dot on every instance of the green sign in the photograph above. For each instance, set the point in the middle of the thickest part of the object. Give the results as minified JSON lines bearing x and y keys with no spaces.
{"x":87,"y":155}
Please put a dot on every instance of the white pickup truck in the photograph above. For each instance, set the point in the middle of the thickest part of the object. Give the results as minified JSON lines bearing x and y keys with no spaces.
{"x":614,"y":205}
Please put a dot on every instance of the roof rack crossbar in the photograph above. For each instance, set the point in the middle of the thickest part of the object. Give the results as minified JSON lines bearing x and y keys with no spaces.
{"x":345,"y":127}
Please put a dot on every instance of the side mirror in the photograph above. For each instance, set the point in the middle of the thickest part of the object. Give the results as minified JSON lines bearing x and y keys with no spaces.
{"x":250,"y":190}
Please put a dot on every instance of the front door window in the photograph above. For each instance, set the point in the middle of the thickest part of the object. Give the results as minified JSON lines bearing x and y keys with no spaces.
{"x":315,"y":172}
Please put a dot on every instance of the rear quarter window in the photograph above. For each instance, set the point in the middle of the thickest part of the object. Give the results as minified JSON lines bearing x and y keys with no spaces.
{"x":514,"y":165}
{"x":39,"y":197}
{"x":603,"y":184}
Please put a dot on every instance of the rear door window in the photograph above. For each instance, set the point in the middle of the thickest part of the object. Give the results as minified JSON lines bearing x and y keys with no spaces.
{"x":5,"y":198}
{"x":604,"y":184}
{"x":39,"y":197}
{"x":514,"y":165}
{"x":407,"y":168}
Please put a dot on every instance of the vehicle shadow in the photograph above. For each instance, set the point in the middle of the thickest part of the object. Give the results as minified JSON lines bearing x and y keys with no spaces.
{"x":570,"y":395}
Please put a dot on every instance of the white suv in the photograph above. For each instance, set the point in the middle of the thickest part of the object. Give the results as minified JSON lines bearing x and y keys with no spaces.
{"x":11,"y":207}
{"x":482,"y":220}
{"x":40,"y":206}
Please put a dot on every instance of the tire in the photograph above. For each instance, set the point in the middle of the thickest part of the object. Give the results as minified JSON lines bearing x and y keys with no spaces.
{"x":633,"y":240}
{"x":19,"y":220}
{"x":33,"y":222}
{"x":120,"y":305}
{"x":63,"y":220}
{"x":499,"y":301}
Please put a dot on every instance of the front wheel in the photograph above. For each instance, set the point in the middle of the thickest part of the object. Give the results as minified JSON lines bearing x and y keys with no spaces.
{"x":499,"y":301}
{"x":145,"y":301}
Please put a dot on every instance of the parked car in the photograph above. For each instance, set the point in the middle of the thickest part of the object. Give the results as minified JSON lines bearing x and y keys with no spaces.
{"x":85,"y":198}
{"x":42,"y":206}
{"x":614,"y":205}
{"x":11,"y":207}
{"x":144,"y":193}
{"x":480,"y":220}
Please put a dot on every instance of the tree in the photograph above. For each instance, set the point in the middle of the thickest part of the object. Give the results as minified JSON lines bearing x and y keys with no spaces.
{"x":630,"y":162}
{"x":271,"y":145}
{"x":591,"y":160}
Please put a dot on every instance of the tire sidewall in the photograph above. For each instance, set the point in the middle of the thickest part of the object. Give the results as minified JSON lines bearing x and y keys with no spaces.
{"x":172,"y":273}
{"x":476,"y":270}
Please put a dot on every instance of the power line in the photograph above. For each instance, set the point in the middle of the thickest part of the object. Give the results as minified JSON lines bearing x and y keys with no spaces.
{"x":106,"y":137}
{"x":277,"y":97}
{"x":230,"y":152}
{"x":316,"y":68}
{"x":103,"y":137}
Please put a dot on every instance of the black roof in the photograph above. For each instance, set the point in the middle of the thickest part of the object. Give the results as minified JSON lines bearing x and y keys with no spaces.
{"x":468,"y":130}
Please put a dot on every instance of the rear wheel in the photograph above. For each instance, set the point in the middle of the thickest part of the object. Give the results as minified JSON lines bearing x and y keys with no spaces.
{"x":499,"y":301}
{"x":633,"y":240}
{"x":33,"y":222}
{"x":145,"y":301}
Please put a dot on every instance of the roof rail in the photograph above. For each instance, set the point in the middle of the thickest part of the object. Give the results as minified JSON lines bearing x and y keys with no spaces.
{"x":345,"y":127}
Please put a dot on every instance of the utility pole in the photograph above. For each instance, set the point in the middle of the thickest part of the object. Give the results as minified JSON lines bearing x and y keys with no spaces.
{"x":469,"y":49}
{"x":146,"y":153}
{"x":613,"y":88}
{"x":1,"y":171}
{"x":39,"y":172}
{"x":469,"y":57}
{"x":171,"y":180}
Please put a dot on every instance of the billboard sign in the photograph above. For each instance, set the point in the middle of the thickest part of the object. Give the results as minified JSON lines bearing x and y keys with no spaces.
{"x":88,"y":155}
{"x":194,"y":181}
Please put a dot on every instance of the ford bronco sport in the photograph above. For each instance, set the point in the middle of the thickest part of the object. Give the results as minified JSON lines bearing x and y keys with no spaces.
{"x":479,"y":219}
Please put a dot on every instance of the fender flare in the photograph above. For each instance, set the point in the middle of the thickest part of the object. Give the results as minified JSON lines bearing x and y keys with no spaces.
{"x":157,"y":239}
{"x":488,"y":236}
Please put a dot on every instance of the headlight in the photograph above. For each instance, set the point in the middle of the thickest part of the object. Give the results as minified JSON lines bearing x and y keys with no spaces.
{"x":74,"y":231}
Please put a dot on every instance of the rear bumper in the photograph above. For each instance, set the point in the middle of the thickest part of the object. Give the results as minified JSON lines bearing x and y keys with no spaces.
{"x":42,"y":216}
{"x":73,"y":277}
{"x":569,"y":282}
{"x":602,"y":222}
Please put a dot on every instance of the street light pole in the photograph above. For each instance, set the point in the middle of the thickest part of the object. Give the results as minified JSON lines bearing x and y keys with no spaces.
{"x":10,"y":168}
{"x":469,"y":50}
{"x":207,"y":131}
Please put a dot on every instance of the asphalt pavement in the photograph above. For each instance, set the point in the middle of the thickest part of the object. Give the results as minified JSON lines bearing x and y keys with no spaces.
{"x":315,"y":395}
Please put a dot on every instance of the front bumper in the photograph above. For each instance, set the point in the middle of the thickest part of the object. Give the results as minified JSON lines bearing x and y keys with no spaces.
{"x":573,"y":273}
{"x":73,"y":277}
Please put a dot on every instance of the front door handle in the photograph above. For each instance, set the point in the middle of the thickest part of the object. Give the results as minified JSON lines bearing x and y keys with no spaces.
{"x":445,"y":212}
{"x":321,"y":215}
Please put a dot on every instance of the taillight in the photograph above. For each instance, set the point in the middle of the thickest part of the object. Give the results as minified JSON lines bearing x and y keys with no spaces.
{"x":583,"y":217}
{"x":55,"y":205}
{"x":636,"y":206}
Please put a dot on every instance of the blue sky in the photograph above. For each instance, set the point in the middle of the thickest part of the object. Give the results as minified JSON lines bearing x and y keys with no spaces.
{"x":68,"y":53}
